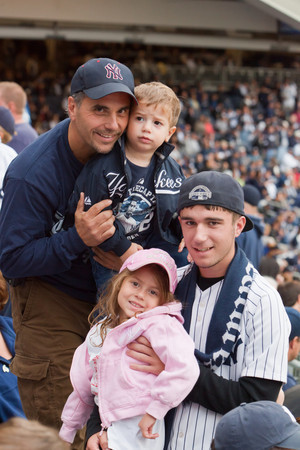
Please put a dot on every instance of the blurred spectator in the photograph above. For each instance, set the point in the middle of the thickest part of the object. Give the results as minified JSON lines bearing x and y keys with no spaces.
{"x":294,"y":343}
{"x":288,"y":93}
{"x":256,"y":426}
{"x":13,"y":97}
{"x":10,"y":403}
{"x":18,"y":433}
{"x":7,"y":154}
{"x":251,"y":242}
{"x":270,"y":270}
{"x":292,"y":401}
{"x":290,"y":294}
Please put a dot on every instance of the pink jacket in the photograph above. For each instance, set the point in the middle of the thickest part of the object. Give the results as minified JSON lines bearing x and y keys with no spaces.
{"x":123,"y":392}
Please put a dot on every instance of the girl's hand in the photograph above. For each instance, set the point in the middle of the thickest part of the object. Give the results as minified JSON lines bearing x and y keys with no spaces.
{"x":96,"y":442}
{"x":142,"y":351}
{"x":103,"y":441}
{"x":93,"y":443}
{"x":146,"y":425}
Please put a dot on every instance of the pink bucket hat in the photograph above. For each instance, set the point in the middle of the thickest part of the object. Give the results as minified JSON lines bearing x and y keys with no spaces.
{"x":142,"y":258}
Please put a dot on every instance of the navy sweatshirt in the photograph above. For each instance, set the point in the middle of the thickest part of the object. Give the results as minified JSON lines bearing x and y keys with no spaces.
{"x":37,"y":188}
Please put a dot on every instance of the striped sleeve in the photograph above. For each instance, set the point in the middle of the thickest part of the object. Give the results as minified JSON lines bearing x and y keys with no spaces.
{"x":267,"y":329}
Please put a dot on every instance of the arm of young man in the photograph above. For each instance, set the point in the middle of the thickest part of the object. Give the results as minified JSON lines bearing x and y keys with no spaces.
{"x":266,"y":362}
{"x":221,"y":395}
{"x":211,"y":390}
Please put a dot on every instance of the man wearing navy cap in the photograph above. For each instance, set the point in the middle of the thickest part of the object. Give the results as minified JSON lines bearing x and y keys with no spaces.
{"x":51,"y":283}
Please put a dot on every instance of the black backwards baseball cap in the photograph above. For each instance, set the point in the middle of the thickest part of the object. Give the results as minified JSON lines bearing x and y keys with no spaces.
{"x":216,"y":189}
{"x":99,"y":77}
{"x":7,"y":120}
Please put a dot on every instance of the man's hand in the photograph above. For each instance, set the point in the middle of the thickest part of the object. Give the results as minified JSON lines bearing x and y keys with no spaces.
{"x":95,"y":225}
{"x":146,"y":425}
{"x":142,"y":351}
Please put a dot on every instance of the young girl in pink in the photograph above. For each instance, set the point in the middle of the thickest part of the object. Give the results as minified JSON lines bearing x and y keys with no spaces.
{"x":138,"y":301}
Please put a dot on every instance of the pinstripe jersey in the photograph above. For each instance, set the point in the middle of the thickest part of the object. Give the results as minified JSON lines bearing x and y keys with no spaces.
{"x":261,"y":353}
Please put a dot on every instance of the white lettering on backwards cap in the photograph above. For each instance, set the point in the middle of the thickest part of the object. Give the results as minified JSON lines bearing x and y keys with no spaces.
{"x":199,"y":193}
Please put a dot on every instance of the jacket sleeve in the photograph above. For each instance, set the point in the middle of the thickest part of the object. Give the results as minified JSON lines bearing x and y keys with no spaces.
{"x":80,"y":402}
{"x":93,"y":182}
{"x":27,"y":246}
{"x":175,"y":348}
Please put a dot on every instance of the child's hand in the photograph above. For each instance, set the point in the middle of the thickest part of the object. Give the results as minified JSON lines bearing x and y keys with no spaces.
{"x":93,"y":443}
{"x":103,"y":441}
{"x":107,"y":259}
{"x":132,"y":249}
{"x":181,"y":245}
{"x":146,"y":425}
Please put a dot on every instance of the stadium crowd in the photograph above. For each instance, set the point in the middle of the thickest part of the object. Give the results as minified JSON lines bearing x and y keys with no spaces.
{"x":249,"y":128}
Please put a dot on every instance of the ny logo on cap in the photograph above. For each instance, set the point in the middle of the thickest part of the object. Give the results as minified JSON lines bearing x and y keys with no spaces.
{"x":113,"y":71}
{"x":200,"y":193}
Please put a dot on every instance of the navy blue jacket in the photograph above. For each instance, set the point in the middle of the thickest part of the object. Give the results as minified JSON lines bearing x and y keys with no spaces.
{"x":109,"y":176}
{"x":251,"y":241}
{"x":37,"y":188}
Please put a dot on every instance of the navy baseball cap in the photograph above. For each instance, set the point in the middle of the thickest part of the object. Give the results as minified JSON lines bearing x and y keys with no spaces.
{"x":257,"y":426}
{"x":294,"y":317}
{"x":99,"y":77}
{"x":7,"y":120}
{"x":216,"y":189}
{"x":251,"y":194}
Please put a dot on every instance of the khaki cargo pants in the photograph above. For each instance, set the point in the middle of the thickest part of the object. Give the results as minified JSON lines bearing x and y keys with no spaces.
{"x":49,"y":326}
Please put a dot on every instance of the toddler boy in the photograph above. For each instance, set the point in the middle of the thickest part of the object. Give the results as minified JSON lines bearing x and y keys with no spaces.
{"x":141,"y":179}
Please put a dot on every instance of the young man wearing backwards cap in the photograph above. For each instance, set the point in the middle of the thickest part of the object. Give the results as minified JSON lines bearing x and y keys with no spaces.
{"x":261,"y":425}
{"x":51,"y":285}
{"x":236,"y":319}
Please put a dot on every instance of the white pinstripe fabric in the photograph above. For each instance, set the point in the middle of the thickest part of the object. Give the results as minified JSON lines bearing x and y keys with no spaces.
{"x":262,"y":353}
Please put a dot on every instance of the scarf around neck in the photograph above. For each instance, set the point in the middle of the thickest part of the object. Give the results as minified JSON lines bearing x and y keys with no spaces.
{"x":223,"y":332}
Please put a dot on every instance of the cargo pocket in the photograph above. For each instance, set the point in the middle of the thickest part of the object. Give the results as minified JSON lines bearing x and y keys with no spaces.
{"x":29,"y":368}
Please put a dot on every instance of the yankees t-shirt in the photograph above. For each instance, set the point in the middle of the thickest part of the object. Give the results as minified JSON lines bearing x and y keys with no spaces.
{"x":137,"y":211}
